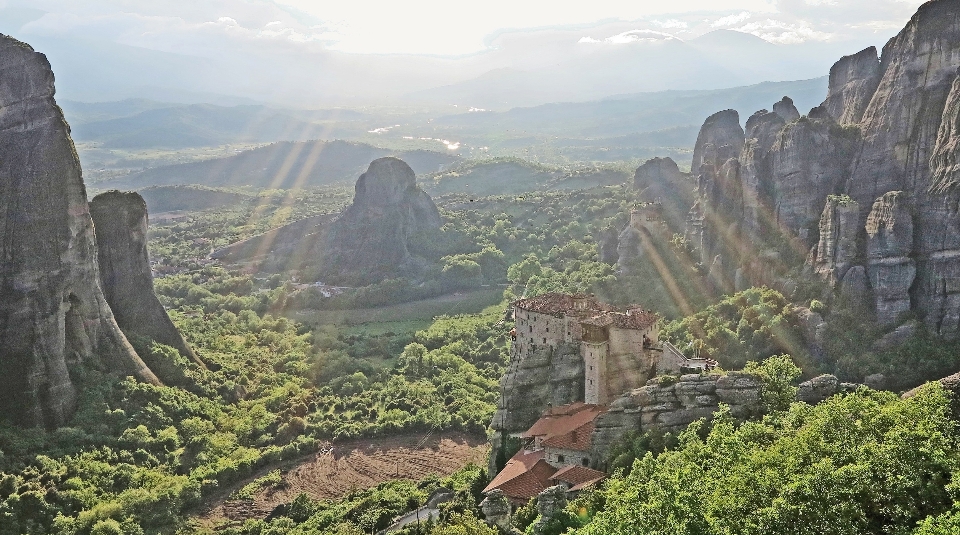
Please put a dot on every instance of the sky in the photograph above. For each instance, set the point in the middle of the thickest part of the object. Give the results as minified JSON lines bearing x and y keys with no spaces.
{"x":363,"y":48}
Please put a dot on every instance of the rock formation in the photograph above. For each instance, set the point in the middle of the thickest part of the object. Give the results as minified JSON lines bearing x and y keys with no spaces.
{"x":120,"y":221}
{"x":656,"y":171}
{"x":720,"y":138}
{"x":889,"y":243}
{"x":786,"y":110}
{"x":550,"y":503}
{"x":53,"y":313}
{"x":545,"y":377}
{"x":853,"y":81}
{"x":809,"y":161}
{"x":836,"y":250}
{"x":673,"y":406}
{"x":496,"y":510}
{"x":370,"y":238}
{"x":607,"y":245}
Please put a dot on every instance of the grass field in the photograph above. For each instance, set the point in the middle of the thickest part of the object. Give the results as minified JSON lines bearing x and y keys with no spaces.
{"x":405,"y":317}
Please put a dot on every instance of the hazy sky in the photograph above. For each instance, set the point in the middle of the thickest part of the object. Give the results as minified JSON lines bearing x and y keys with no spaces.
{"x":309,"y":50}
{"x":445,"y":27}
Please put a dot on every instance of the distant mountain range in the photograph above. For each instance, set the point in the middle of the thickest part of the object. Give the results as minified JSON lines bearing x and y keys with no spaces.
{"x":140,"y":123}
{"x":282,"y":165}
{"x":719,"y":59}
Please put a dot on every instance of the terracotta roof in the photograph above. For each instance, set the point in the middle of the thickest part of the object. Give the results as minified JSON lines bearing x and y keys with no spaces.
{"x":635,"y":319}
{"x":524,"y":476}
{"x":566,"y":424}
{"x":556,"y":304}
{"x":578,"y":476}
{"x":578,"y":439}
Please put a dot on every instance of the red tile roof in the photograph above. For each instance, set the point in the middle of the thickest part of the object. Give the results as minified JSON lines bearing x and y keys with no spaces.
{"x":524,"y":476}
{"x":578,"y":477}
{"x":578,"y":439}
{"x":558,"y":304}
{"x":569,"y":426}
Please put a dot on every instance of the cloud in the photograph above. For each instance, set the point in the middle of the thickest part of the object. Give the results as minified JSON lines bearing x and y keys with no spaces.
{"x":631,"y":36}
{"x":730,"y":20}
{"x":671,"y":23}
{"x":784,"y":33}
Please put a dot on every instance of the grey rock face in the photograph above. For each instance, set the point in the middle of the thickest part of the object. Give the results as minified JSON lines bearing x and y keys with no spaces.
{"x":836,"y":249}
{"x":52,"y":310}
{"x":656,"y":171}
{"x":672,"y":407}
{"x":629,"y":248}
{"x":120,"y":222}
{"x":550,"y":503}
{"x":496,"y":509}
{"x":607,"y":245}
{"x":855,"y":289}
{"x":544,"y":377}
{"x":371,"y":237}
{"x":895,"y":337}
{"x":721,"y":138}
{"x":786,"y":110}
{"x":762,"y":130}
{"x":818,"y":389}
{"x":889,"y":242}
{"x":809,"y":161}
{"x":853,"y":81}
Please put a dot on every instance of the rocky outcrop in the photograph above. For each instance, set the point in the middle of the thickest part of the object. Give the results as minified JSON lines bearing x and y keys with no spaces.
{"x":889,"y":242}
{"x":836,"y":250}
{"x":902,"y":130}
{"x":654,"y":172}
{"x":550,"y":503}
{"x":370,"y":238}
{"x":120,"y":222}
{"x":53,"y":313}
{"x":496,"y":510}
{"x":786,"y":110}
{"x":630,"y":248}
{"x":607,"y":245}
{"x":721,"y":138}
{"x":818,"y":389}
{"x":853,"y":81}
{"x":673,"y":406}
{"x":545,"y":377}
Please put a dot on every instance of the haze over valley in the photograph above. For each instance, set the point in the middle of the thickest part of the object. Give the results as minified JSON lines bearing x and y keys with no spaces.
{"x":421,"y":268}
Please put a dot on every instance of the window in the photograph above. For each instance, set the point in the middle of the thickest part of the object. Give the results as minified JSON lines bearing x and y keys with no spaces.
{"x":585,"y":461}
{"x":531,"y":328}
{"x":560,"y":458}
{"x":544,"y":340}
{"x":548,"y":329}
{"x":591,"y":368}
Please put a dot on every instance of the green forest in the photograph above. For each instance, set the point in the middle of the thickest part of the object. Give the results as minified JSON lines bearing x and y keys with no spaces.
{"x":289,"y":370}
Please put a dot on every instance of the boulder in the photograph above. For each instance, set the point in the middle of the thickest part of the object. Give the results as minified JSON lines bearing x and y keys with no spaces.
{"x":818,"y":389}
{"x":52,"y":310}
{"x":496,"y":509}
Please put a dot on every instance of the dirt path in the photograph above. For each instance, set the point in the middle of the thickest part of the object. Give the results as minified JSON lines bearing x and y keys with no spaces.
{"x":349,"y":466}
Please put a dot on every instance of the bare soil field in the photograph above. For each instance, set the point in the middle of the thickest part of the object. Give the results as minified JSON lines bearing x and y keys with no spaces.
{"x":343,"y":467}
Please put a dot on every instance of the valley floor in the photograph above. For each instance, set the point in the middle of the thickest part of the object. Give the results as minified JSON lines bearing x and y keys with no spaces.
{"x":338,"y":469}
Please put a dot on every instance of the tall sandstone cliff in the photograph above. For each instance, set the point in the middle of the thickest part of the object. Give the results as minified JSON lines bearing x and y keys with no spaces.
{"x":52,"y":311}
{"x":866,"y":182}
{"x":120,"y":220}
